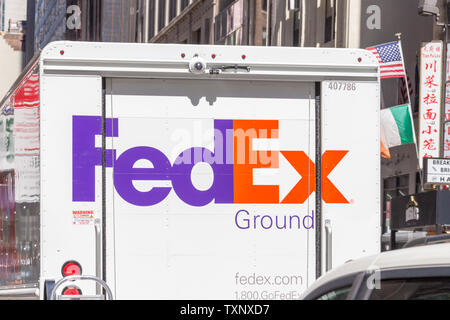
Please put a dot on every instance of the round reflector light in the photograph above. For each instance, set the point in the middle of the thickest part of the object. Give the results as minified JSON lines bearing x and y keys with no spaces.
{"x":71,"y":268}
{"x":72,"y":291}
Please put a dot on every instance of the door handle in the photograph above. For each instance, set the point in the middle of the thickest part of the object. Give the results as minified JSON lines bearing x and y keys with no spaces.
{"x":329,"y":245}
{"x":98,"y":253}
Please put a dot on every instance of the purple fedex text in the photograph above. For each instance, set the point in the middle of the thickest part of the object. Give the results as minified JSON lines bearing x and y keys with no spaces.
{"x":86,"y":156}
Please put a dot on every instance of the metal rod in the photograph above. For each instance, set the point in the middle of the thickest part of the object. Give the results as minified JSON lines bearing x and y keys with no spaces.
{"x":102,"y":272}
{"x":318,"y":213}
{"x":98,"y":252}
{"x":445,"y":91}
{"x":329,"y":240}
{"x":109,"y":294}
{"x":399,"y":35}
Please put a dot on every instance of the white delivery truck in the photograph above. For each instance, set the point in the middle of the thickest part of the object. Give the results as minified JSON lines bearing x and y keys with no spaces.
{"x":144,"y":171}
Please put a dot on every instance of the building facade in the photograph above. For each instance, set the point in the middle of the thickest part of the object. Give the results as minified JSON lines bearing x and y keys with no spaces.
{"x":237,"y":22}
{"x":13,"y":16}
{"x":61,"y":20}
{"x":13,"y":13}
{"x":92,"y":20}
{"x":227,"y":22}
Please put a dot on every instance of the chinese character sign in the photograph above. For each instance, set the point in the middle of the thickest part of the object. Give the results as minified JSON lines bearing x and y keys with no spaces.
{"x":430,"y":100}
{"x":447,"y":109}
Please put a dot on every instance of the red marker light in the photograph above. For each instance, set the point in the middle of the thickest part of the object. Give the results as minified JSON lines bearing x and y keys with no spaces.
{"x":359,"y":60}
{"x":183,"y":55}
{"x":213,"y":56}
{"x":72,"y":291}
{"x":244,"y":57}
{"x":62,"y":52}
{"x":71,"y":268}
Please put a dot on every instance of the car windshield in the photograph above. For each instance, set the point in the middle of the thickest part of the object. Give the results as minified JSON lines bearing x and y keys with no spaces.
{"x":339,"y":294}
{"x":413,"y":289}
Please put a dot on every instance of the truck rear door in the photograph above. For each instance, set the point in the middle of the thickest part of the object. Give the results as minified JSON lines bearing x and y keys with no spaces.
{"x":209,"y":188}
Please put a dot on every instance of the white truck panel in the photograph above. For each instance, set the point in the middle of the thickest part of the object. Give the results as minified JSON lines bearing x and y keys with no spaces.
{"x":176,"y":250}
{"x":61,"y":239}
{"x":346,"y":109}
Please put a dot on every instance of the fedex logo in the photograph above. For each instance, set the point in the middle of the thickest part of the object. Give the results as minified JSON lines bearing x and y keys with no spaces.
{"x":233,"y":161}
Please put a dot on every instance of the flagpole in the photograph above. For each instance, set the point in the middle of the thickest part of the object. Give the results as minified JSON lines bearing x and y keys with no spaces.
{"x":399,"y":35}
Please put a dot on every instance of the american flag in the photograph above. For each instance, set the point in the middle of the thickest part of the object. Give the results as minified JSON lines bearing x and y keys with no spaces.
{"x":403,"y":94}
{"x":391,"y":60}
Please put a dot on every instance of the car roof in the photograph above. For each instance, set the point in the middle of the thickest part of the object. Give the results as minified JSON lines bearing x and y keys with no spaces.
{"x":434,"y":255}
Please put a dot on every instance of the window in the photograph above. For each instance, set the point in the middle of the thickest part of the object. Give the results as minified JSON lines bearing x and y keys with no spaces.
{"x":172,"y":9}
{"x":413,"y":289}
{"x":269,"y":25}
{"x":295,"y":5}
{"x":339,"y":294}
{"x":91,"y":23}
{"x":151,"y":24}
{"x":330,"y":13}
{"x":161,"y":14}
{"x":207,"y":31}
{"x":197,"y":36}
{"x":296,"y":31}
{"x":140,"y":22}
{"x":2,"y":15}
{"x":232,"y":39}
{"x":115,"y":21}
{"x":224,"y":4}
{"x":264,"y":36}
{"x":184,"y":4}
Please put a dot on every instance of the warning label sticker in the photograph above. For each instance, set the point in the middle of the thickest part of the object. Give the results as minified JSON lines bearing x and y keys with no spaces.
{"x":83,"y":218}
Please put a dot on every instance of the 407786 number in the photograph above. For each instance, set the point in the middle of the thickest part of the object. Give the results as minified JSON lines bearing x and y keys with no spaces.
{"x":342,"y":86}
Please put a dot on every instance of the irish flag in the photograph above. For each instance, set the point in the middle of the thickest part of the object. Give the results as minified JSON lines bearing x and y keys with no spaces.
{"x":396,"y":128}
